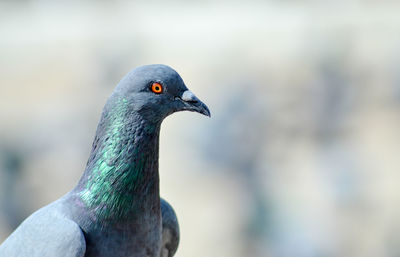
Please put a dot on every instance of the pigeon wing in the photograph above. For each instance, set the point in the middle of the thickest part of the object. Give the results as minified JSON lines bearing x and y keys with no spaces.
{"x":45,"y":233}
{"x":170,"y":230}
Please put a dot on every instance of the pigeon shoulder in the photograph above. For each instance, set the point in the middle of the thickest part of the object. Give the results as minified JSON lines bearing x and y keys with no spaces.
{"x":46,"y":233}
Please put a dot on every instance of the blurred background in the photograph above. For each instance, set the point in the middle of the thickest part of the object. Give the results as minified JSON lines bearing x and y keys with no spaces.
{"x":300,"y":157}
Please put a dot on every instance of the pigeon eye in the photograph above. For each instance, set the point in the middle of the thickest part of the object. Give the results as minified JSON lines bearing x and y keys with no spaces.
{"x":157,"y":88}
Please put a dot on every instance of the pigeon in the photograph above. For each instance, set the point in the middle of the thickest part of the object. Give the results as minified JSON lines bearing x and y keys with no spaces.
{"x":115,"y":209}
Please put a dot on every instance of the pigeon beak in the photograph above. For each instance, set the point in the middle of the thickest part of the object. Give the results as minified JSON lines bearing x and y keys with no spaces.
{"x":192,"y":103}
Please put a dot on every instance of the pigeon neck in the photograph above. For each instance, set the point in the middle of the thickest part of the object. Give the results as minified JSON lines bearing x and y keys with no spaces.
{"x":121,"y":178}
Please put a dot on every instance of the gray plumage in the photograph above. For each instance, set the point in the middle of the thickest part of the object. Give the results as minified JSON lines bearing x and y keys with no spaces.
{"x":170,"y":230}
{"x":116,"y":210}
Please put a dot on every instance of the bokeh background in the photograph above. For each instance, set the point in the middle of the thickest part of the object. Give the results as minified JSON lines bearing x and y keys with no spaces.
{"x":300,"y":157}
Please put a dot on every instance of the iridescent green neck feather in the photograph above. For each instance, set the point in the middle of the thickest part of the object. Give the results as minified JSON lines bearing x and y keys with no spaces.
{"x":121,"y":177}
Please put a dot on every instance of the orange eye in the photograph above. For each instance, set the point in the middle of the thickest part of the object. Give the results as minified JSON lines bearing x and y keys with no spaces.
{"x":157,"y":88}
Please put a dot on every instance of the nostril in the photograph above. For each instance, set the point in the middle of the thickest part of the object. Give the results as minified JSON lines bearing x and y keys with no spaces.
{"x":189,"y":97}
{"x":191,"y":100}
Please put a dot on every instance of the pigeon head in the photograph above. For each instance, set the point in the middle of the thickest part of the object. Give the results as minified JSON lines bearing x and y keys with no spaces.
{"x":156,"y":91}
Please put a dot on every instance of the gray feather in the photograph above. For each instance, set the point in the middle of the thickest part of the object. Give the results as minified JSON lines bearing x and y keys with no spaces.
{"x":170,"y":230}
{"x":46,"y":233}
